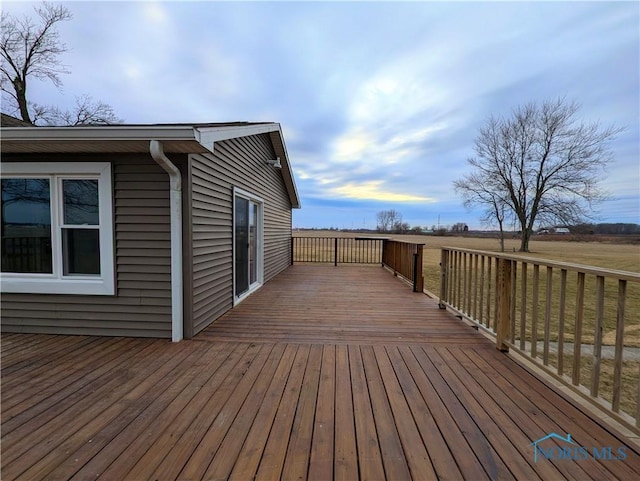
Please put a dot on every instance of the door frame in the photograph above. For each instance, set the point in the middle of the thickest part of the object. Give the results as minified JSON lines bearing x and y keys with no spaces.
{"x":238,"y":192}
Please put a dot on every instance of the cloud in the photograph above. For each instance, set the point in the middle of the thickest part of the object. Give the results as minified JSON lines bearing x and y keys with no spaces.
{"x":373,"y":190}
{"x":379,"y":102}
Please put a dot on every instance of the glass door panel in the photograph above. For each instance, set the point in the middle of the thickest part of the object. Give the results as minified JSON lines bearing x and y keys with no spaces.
{"x":253,"y":242}
{"x":241,"y":221}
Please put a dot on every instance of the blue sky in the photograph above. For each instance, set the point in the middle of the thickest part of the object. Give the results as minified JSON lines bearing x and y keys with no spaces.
{"x":380,"y":102}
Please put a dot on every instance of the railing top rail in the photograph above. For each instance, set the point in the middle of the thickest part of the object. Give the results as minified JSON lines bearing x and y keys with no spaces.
{"x":359,"y":238}
{"x":597,"y":271}
{"x":319,"y":237}
{"x":406,"y":242}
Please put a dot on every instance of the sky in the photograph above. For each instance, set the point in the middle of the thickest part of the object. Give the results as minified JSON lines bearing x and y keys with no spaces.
{"x":379,"y":102}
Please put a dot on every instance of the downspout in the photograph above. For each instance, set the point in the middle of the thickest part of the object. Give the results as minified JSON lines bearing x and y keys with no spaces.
{"x":175,"y":199}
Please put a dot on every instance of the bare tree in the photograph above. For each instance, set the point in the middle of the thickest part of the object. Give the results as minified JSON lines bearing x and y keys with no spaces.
{"x":459,"y":227}
{"x":541,"y":164}
{"x":400,"y":227}
{"x":487,"y":194}
{"x":85,"y":112}
{"x":32,"y":49}
{"x":388,"y":220}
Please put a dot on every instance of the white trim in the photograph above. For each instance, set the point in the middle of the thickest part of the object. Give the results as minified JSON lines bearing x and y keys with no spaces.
{"x":57,"y":283}
{"x":207,"y":136}
{"x":238,"y":192}
{"x":109,"y":133}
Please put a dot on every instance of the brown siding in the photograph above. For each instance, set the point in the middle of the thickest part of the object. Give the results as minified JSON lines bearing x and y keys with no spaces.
{"x":142,"y":305}
{"x":235,"y":163}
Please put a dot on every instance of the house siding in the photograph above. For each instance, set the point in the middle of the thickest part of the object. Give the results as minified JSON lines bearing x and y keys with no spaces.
{"x":235,"y":163}
{"x":142,"y":304}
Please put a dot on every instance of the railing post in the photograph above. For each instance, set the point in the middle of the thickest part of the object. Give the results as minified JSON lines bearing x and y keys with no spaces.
{"x":504,"y":304}
{"x":444,"y":277}
{"x":335,"y":251}
{"x":418,"y":279}
{"x":292,"y":241}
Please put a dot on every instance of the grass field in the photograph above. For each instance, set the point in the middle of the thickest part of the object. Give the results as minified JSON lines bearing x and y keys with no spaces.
{"x":624,"y":257}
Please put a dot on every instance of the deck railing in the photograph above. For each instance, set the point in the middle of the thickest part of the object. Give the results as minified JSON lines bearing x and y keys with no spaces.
{"x":337,"y":250}
{"x":403,"y":258}
{"x":579,"y":323}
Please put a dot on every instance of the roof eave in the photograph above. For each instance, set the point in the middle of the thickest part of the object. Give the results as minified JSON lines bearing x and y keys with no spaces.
{"x":102,"y":133}
{"x":186,"y":138}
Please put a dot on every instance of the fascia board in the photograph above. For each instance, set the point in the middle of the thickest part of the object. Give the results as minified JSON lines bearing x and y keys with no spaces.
{"x":207,"y":136}
{"x":98,"y":133}
{"x":290,"y":181}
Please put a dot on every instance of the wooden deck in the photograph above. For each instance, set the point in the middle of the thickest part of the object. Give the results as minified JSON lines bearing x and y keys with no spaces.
{"x":324,"y":373}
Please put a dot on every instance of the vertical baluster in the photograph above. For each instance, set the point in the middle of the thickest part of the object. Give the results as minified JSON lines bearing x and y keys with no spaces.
{"x":475,"y":286}
{"x":534,"y":314}
{"x":597,"y":341}
{"x":465,"y":286}
{"x":450,"y":279}
{"x":563,"y":296}
{"x":488,"y":318}
{"x":481,"y":304}
{"x":523,"y":306}
{"x":512,"y":310}
{"x":496,"y":299}
{"x":456,"y":302}
{"x":460,"y":276}
{"x":454,"y":278}
{"x":577,"y":344}
{"x":547,"y":316}
{"x":638,"y":401}
{"x":617,"y":361}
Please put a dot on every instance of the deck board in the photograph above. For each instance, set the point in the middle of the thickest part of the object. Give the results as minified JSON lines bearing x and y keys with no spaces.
{"x":324,"y":373}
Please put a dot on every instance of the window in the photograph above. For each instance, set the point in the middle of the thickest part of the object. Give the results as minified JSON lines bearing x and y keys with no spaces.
{"x":57,"y":234}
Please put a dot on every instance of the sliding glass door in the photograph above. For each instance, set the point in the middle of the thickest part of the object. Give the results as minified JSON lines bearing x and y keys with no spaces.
{"x":247,"y":220}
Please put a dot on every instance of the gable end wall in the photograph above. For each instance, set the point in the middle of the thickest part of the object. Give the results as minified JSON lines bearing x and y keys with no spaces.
{"x":235,"y":163}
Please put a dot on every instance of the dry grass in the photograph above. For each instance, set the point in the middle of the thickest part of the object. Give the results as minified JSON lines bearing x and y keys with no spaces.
{"x":630,"y":375}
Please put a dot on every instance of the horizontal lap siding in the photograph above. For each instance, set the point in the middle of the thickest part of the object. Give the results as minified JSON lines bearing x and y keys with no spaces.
{"x":235,"y":163}
{"x":142,"y":305}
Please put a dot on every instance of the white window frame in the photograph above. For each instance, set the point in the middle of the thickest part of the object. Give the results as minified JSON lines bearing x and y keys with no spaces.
{"x":237,"y":192}
{"x":57,"y":283}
